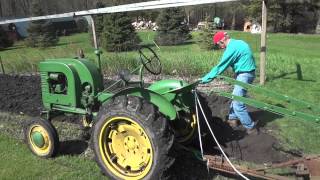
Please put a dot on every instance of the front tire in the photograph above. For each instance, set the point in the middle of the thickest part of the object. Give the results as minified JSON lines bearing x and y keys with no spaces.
{"x":42,"y":138}
{"x":132,"y":140}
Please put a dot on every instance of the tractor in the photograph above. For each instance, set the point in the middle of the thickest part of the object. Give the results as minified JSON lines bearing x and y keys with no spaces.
{"x":132,"y":128}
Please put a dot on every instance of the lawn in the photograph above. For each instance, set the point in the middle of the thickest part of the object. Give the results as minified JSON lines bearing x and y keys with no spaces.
{"x":286,"y":53}
{"x":17,"y":162}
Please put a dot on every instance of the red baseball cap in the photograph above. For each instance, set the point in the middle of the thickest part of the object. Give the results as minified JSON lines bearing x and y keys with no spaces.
{"x":218,"y":36}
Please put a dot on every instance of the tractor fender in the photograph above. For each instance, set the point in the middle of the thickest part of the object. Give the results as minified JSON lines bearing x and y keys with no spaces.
{"x":165,"y":107}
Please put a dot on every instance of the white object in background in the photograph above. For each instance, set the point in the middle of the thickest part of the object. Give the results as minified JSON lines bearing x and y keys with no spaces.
{"x":256,"y":29}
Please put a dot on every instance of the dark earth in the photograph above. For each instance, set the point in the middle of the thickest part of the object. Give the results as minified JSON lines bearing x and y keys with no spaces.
{"x":21,"y":94}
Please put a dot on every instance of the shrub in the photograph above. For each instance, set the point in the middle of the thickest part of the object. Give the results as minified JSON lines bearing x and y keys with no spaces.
{"x":82,"y":25}
{"x":4,"y":40}
{"x":205,"y":36}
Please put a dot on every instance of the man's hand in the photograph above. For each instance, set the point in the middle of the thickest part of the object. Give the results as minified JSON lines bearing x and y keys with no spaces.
{"x":205,"y":80}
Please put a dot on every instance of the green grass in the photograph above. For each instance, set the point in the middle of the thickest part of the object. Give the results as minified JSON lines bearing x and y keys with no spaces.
{"x":22,"y":59}
{"x":17,"y":162}
{"x":284,"y":52}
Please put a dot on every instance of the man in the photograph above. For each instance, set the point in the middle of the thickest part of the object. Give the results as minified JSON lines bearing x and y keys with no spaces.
{"x":239,"y":56}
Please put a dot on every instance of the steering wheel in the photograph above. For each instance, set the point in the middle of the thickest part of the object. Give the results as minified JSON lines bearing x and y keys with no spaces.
{"x":150,"y":60}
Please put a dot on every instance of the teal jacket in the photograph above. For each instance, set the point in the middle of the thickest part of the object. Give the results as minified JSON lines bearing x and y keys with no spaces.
{"x":238,"y":55}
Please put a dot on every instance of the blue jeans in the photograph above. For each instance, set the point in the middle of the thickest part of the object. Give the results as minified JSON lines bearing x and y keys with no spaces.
{"x":238,"y":110}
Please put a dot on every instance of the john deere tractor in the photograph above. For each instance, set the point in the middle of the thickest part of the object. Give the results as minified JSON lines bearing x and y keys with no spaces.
{"x":133,"y":128}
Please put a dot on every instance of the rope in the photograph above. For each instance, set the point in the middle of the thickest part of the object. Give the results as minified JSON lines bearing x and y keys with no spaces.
{"x":214,"y":137}
{"x":198,"y":122}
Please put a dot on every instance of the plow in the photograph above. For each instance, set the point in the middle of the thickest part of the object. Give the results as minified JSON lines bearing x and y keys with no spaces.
{"x":304,"y":168}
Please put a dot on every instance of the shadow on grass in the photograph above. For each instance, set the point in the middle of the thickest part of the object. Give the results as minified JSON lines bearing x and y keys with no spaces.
{"x":67,"y":43}
{"x":72,"y":147}
{"x":151,"y":45}
{"x":181,"y":44}
{"x":14,"y":47}
{"x":298,"y":72}
{"x":284,"y":76}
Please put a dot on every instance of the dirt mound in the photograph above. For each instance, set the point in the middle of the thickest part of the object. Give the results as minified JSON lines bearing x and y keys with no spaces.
{"x":23,"y":94}
{"x":258,"y":149}
{"x":261,"y":148}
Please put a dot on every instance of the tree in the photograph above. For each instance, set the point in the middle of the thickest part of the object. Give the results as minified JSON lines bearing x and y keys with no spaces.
{"x":4,"y":40}
{"x":289,"y":16}
{"x":206,"y":34}
{"x":40,"y":33}
{"x":252,"y":9}
{"x":48,"y":36}
{"x":35,"y":27}
{"x":118,"y":33}
{"x":173,"y":28}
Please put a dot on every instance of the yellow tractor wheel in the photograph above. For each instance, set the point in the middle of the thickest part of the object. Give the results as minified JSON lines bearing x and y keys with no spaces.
{"x":132,"y":140}
{"x":42,"y":138}
{"x":185,"y":128}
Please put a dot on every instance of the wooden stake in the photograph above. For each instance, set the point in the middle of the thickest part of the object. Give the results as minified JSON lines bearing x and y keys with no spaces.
{"x":2,"y":67}
{"x":263,"y":44}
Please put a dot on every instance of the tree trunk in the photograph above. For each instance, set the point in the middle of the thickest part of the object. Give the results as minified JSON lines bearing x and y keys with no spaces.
{"x":233,"y":23}
{"x":318,"y":23}
{"x":1,"y":15}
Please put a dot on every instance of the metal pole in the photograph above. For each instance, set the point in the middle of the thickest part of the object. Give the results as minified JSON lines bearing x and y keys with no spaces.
{"x":97,"y":51}
{"x":263,"y":44}
{"x":93,"y":26}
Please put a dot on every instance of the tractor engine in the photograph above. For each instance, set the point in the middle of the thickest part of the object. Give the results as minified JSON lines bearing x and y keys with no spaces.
{"x":57,"y":83}
{"x":69,"y":84}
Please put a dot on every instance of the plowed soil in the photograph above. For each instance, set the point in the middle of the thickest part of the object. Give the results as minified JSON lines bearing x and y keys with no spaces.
{"x":22,"y":94}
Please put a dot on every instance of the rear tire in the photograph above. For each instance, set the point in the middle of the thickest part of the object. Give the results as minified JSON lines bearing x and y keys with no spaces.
{"x":132,"y":140}
{"x":185,"y":128}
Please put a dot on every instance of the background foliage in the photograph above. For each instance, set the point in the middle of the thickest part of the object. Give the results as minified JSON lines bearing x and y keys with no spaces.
{"x":40,"y":33}
{"x":290,"y":16}
{"x":4,"y":41}
{"x":173,"y":28}
{"x":118,"y":33}
{"x":284,"y":16}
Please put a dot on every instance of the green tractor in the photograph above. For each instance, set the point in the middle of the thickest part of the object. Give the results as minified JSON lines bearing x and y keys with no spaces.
{"x":133,"y":129}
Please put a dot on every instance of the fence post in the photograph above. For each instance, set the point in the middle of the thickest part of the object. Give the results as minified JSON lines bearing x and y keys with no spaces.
{"x":263,"y":44}
{"x":2,"y":67}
